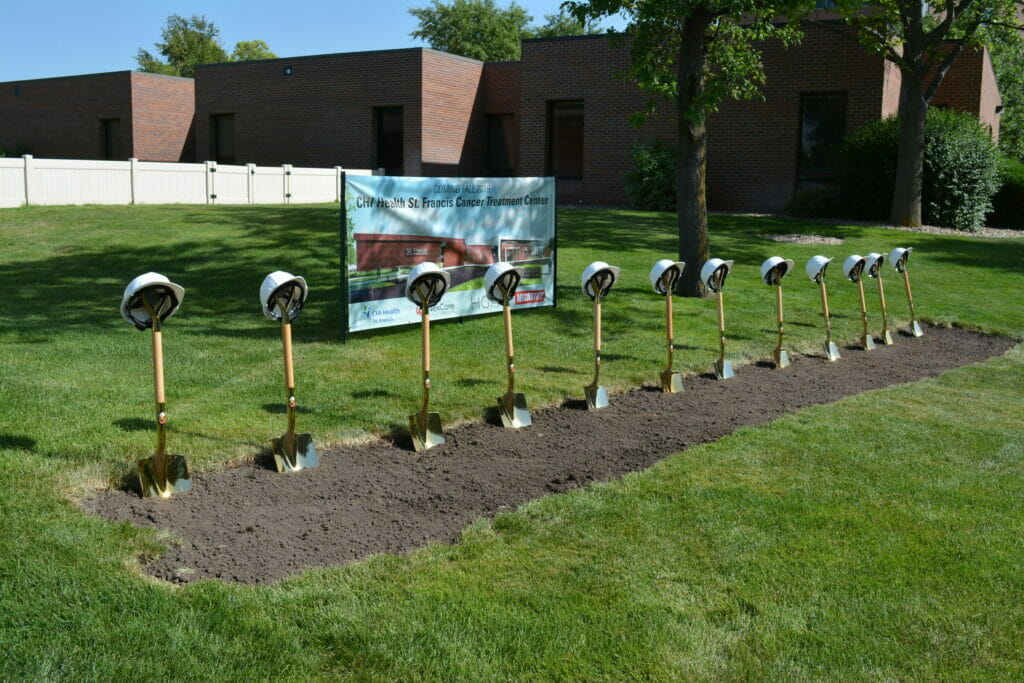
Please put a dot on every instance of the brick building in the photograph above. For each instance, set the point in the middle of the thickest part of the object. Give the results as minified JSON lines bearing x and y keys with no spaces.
{"x":115,"y":115}
{"x":560,"y":110}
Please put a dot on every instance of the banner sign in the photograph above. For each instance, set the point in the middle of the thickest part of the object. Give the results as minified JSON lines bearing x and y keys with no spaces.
{"x":391,"y":223}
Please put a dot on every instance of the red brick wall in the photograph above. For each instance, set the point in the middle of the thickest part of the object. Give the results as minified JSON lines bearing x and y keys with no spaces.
{"x":59,"y":118}
{"x":162,"y":111}
{"x":583,"y":68}
{"x":753,"y":145}
{"x":322,"y":115}
{"x":451,"y":126}
{"x":970,"y":86}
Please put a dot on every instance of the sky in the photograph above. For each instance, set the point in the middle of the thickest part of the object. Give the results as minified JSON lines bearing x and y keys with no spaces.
{"x":44,"y":38}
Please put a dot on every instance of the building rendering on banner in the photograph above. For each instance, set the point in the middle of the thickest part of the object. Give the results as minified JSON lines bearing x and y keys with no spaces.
{"x":560,"y":110}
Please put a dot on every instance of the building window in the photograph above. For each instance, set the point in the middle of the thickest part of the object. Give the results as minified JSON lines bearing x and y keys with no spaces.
{"x":565,"y":139}
{"x":390,"y":144}
{"x":822,"y":127}
{"x":825,"y":4}
{"x":501,"y":145}
{"x":111,"y":133}
{"x":222,"y":138}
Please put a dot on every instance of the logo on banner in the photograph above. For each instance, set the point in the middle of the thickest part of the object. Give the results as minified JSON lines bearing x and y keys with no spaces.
{"x":533,"y":296}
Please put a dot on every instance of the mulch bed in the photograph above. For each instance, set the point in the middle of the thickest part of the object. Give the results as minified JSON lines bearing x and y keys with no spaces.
{"x":252,"y":525}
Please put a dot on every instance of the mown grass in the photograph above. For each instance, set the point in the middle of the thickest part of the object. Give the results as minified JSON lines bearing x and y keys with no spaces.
{"x":877,"y":537}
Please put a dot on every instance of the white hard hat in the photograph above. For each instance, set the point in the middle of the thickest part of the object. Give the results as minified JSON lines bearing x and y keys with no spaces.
{"x":899,"y":258}
{"x":590,"y":274}
{"x":665,"y":273}
{"x":162,"y":295}
{"x":873,"y":263}
{"x":501,"y":280}
{"x":775,"y":268}
{"x":816,"y":266}
{"x":714,"y":272}
{"x":853,"y":266}
{"x":291,"y":288}
{"x":429,"y":274}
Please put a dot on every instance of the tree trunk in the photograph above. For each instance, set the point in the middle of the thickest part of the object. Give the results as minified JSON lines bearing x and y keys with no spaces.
{"x":691,"y":182}
{"x":906,"y":198}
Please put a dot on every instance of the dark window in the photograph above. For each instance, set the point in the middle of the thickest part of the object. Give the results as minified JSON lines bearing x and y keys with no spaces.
{"x":822,"y":126}
{"x":111,"y":138}
{"x":824,"y":4}
{"x":389,"y":140}
{"x":565,"y":139}
{"x":501,"y":144}
{"x":222,"y":138}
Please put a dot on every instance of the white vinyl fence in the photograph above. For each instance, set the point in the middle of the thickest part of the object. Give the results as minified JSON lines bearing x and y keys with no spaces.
{"x":27,"y":180}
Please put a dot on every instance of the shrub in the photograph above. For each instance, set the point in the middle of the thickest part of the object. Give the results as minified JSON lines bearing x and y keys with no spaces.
{"x":961,"y":170}
{"x":650,"y":182}
{"x":815,"y":202}
{"x":1008,"y":202}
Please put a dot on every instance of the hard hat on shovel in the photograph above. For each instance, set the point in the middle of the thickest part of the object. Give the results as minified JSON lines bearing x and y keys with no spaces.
{"x":148,"y":300}
{"x":163,"y":296}
{"x":772,"y":271}
{"x":775,"y":268}
{"x":595,"y":276}
{"x":597,"y":280}
{"x":899,"y":257}
{"x":281,"y":287}
{"x":873,"y":263}
{"x":429,"y":280}
{"x":664,"y":275}
{"x":853,"y":266}
{"x":425,"y":286}
{"x":714,"y":272}
{"x":815,"y":267}
{"x":282,"y":296}
{"x":500,"y":284}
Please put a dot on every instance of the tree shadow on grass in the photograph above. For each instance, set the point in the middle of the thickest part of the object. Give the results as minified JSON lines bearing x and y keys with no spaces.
{"x":16,"y":442}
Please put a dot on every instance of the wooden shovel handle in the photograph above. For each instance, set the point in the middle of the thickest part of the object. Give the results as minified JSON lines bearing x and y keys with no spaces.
{"x":721,"y":315}
{"x":289,"y":371}
{"x":158,"y":366}
{"x":597,"y":324}
{"x":824,"y":300}
{"x":508,"y":331}
{"x":426,"y":341}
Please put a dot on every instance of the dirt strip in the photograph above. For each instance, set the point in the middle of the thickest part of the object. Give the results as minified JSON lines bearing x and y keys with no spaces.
{"x":253,"y":525}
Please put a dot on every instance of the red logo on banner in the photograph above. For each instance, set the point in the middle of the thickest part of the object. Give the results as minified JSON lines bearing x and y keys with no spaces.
{"x":530,"y":297}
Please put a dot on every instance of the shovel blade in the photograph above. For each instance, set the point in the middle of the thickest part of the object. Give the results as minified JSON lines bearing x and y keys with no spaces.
{"x":513,"y":411}
{"x":295,"y":456}
{"x":597,"y":397}
{"x":723,"y":369}
{"x":154,"y":484}
{"x":832,"y":351}
{"x":671,"y":382}
{"x":887,"y":338}
{"x":867,"y":343}
{"x":426,"y":431}
{"x":781,"y":357}
{"x":916,"y":330}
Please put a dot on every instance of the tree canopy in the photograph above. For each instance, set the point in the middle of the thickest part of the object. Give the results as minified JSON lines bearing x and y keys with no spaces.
{"x":482,"y":30}
{"x":188,"y":42}
{"x":924,"y":42}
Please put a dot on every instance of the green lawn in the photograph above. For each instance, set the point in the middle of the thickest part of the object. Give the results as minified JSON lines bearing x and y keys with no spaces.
{"x":878,"y":537}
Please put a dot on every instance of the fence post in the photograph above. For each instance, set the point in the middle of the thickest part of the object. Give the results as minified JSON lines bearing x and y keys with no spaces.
{"x":379,"y":171}
{"x":211,"y":185}
{"x":133,"y":168}
{"x":27,"y":158}
{"x":250,"y":171}
{"x":287,"y":185}
{"x":338,"y":191}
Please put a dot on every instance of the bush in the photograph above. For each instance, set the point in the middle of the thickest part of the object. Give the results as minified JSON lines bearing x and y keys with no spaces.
{"x":1008,"y":202}
{"x":815,"y":202}
{"x":650,"y":182}
{"x":961,"y":170}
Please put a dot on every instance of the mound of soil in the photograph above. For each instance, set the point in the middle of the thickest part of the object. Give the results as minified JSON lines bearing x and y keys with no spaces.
{"x":254,"y":525}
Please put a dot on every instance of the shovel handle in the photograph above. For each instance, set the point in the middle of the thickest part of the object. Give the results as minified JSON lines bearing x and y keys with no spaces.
{"x":426,"y":341}
{"x":597,"y":325}
{"x":289,"y":371}
{"x":910,"y":297}
{"x":158,"y":366}
{"x":507,"y":313}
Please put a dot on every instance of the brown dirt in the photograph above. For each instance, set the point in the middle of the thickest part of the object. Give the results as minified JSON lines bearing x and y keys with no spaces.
{"x":256,"y":526}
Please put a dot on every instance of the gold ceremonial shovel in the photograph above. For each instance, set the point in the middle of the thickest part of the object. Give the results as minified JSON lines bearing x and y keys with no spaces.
{"x":664,"y":276}
{"x":426,"y":285}
{"x":501,"y":282}
{"x":292,"y":452}
{"x":598,"y":279}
